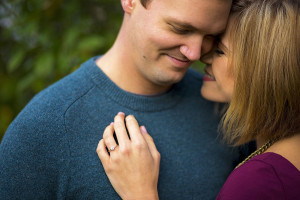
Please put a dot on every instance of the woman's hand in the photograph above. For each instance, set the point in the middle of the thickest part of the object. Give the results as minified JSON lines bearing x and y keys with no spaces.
{"x":133,"y":166}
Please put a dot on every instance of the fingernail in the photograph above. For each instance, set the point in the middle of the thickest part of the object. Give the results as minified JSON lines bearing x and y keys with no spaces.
{"x":144,"y":129}
{"x":111,"y":123}
{"x":121,"y":113}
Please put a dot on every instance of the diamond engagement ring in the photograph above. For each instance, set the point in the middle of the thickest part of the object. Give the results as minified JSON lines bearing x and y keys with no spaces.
{"x":112,"y":148}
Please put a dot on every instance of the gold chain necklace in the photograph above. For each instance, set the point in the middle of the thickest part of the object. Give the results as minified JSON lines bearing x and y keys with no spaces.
{"x":262,"y":149}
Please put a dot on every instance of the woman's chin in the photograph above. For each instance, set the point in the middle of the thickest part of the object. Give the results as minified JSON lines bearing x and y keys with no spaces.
{"x":213,"y":95}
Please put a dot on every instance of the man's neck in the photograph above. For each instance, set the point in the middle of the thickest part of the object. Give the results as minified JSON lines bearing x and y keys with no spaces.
{"x":121,"y":70}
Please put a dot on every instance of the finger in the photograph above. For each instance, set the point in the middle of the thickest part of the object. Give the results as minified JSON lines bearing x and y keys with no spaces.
{"x":102,"y":153}
{"x":150,"y":142}
{"x":134,"y":129}
{"x":108,"y":137}
{"x":120,"y":129}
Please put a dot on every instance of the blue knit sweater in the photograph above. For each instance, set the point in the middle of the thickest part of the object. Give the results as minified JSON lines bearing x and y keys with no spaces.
{"x":49,"y":151}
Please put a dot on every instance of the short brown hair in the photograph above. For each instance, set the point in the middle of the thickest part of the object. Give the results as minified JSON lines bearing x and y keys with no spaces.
{"x":265,"y":39}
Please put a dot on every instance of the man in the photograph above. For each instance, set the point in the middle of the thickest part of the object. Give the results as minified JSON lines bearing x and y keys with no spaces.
{"x":48,"y":152}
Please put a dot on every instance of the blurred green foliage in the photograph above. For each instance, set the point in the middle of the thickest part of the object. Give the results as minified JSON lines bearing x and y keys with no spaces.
{"x":42,"y":41}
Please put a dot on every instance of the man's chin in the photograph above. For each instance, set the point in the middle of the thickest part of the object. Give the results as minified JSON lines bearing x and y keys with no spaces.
{"x":170,"y":82}
{"x":169,"y":77}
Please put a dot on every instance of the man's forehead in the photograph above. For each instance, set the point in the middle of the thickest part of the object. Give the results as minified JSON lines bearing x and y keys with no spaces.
{"x":188,"y":2}
{"x":196,"y":8}
{"x":203,"y":15}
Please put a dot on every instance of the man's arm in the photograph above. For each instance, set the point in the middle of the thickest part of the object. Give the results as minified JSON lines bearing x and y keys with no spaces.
{"x":31,"y":153}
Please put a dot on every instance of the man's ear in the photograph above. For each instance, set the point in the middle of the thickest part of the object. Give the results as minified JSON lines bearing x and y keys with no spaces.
{"x":128,"y":5}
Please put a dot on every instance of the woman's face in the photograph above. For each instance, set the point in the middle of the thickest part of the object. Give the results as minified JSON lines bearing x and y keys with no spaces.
{"x":218,"y":81}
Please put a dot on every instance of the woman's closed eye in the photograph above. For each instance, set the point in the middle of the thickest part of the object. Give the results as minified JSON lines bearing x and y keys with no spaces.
{"x":219,"y":52}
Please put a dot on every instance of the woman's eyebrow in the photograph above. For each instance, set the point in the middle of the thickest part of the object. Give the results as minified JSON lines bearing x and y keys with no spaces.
{"x":223,"y":46}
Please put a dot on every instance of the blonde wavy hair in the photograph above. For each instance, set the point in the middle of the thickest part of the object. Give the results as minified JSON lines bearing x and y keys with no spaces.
{"x":265,"y":39}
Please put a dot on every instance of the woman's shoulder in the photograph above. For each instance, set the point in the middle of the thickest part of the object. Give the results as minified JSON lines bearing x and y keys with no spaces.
{"x":266,"y":176}
{"x":278,"y":162}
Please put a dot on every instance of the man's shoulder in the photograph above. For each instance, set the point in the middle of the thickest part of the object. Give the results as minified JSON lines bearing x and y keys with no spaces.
{"x":36,"y":145}
{"x":194,"y":74}
{"x":49,"y":106}
{"x":193,"y":78}
{"x":191,"y":82}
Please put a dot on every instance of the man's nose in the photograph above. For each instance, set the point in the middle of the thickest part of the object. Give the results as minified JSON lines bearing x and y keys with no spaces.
{"x":191,"y":49}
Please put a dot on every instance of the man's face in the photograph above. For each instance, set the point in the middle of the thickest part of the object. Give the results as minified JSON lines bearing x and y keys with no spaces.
{"x":169,"y":35}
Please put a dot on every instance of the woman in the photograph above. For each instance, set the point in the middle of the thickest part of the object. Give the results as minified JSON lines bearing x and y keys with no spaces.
{"x":256,"y":68}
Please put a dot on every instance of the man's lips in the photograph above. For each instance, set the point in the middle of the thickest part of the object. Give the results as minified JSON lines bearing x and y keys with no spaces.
{"x":179,"y":61}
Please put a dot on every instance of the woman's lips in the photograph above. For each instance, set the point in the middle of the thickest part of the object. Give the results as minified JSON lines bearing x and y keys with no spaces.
{"x":207,"y":76}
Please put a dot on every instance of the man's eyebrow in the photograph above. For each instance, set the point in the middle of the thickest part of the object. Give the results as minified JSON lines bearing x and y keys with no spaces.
{"x":187,"y":26}
{"x":183,"y":25}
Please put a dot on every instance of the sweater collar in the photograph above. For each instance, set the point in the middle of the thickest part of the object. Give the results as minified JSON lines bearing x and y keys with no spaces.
{"x":130,"y":100}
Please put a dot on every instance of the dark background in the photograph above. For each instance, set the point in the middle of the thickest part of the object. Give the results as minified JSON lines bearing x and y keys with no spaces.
{"x":42,"y":41}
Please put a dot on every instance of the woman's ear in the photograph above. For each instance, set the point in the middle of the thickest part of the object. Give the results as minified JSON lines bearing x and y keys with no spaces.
{"x":128,"y":5}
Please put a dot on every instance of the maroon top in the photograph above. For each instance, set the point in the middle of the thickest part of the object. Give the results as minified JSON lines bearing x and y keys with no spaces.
{"x":266,"y":176}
